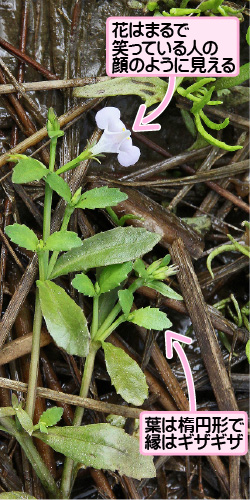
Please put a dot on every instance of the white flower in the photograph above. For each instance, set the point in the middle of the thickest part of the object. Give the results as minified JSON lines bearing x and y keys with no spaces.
{"x":115,"y":138}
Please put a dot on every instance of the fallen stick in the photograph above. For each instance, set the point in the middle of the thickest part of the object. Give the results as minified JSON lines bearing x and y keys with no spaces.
{"x":209,"y":346}
{"x":91,"y":404}
{"x":52,"y":84}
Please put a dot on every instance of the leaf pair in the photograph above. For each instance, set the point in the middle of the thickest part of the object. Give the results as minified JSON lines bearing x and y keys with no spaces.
{"x":48,"y":418}
{"x":101,"y":197}
{"x":64,"y":318}
{"x":109,"y":278}
{"x":26,"y":238}
{"x":29,"y":170}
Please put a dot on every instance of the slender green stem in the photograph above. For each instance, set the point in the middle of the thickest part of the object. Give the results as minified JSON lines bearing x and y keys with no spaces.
{"x":112,"y":327}
{"x":43,"y":266}
{"x":108,"y":321}
{"x":113,"y":216}
{"x":48,"y":202}
{"x":66,"y":482}
{"x":31,"y":395}
{"x":42,"y":275}
{"x":115,"y":311}
{"x":33,"y":456}
{"x":94,"y":325}
{"x":68,"y":212}
{"x":73,"y":163}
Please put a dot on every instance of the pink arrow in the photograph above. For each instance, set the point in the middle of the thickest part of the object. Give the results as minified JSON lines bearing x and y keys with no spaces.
{"x":143,"y":123}
{"x":169,"y":337}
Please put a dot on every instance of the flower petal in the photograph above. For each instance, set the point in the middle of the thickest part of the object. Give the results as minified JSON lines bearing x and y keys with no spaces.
{"x":128,"y":154}
{"x":110,"y":142}
{"x":107,"y":116}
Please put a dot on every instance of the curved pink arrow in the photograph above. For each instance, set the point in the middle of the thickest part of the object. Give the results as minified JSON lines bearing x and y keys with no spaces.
{"x":142,"y":122}
{"x":169,"y":336}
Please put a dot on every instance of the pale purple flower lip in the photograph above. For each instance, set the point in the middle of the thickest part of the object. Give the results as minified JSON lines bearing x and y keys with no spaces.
{"x":115,"y":138}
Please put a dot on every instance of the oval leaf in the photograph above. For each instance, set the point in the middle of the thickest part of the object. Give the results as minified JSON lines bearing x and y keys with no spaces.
{"x":164,"y":290}
{"x":102,"y":446}
{"x":132,"y":387}
{"x":151,"y":318}
{"x":64,"y":319}
{"x":84,"y":285}
{"x":126,"y":300}
{"x":59,"y":186}
{"x":22,"y":236}
{"x":112,"y":247}
{"x":51,"y":416}
{"x":28,"y":170}
{"x":24,"y":420}
{"x":112,"y":276}
{"x":140,"y":269}
{"x":63,"y":241}
{"x":101,"y":197}
{"x":7,"y":411}
{"x":151,"y":89}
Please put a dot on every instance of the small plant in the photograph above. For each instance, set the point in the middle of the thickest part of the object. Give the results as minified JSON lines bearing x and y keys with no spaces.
{"x":112,"y":256}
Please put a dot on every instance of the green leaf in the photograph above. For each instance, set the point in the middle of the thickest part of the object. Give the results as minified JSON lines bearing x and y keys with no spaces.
{"x":51,"y":416}
{"x":200,"y":224}
{"x":248,"y":35}
{"x":22,"y":236}
{"x":111,"y":276}
{"x":151,"y":89}
{"x":197,"y":106}
{"x":165,"y":261}
{"x":140,"y":269}
{"x":165,"y":290}
{"x":102,"y":446}
{"x":111,"y":247}
{"x":7,"y":411}
{"x":20,"y":495}
{"x":101,"y":197}
{"x":231,"y":81}
{"x":126,"y":375}
{"x":65,"y":320}
{"x":84,"y":285}
{"x":59,"y":185}
{"x":116,"y":420}
{"x":126,"y":301}
{"x":63,"y":241}
{"x":24,"y":420}
{"x":197,"y":85}
{"x":189,"y":122}
{"x":53,"y":125}
{"x":43,"y":428}
{"x":213,"y":125}
{"x":151,"y":318}
{"x":28,"y":170}
{"x":248,"y":350}
{"x":210,"y":139}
